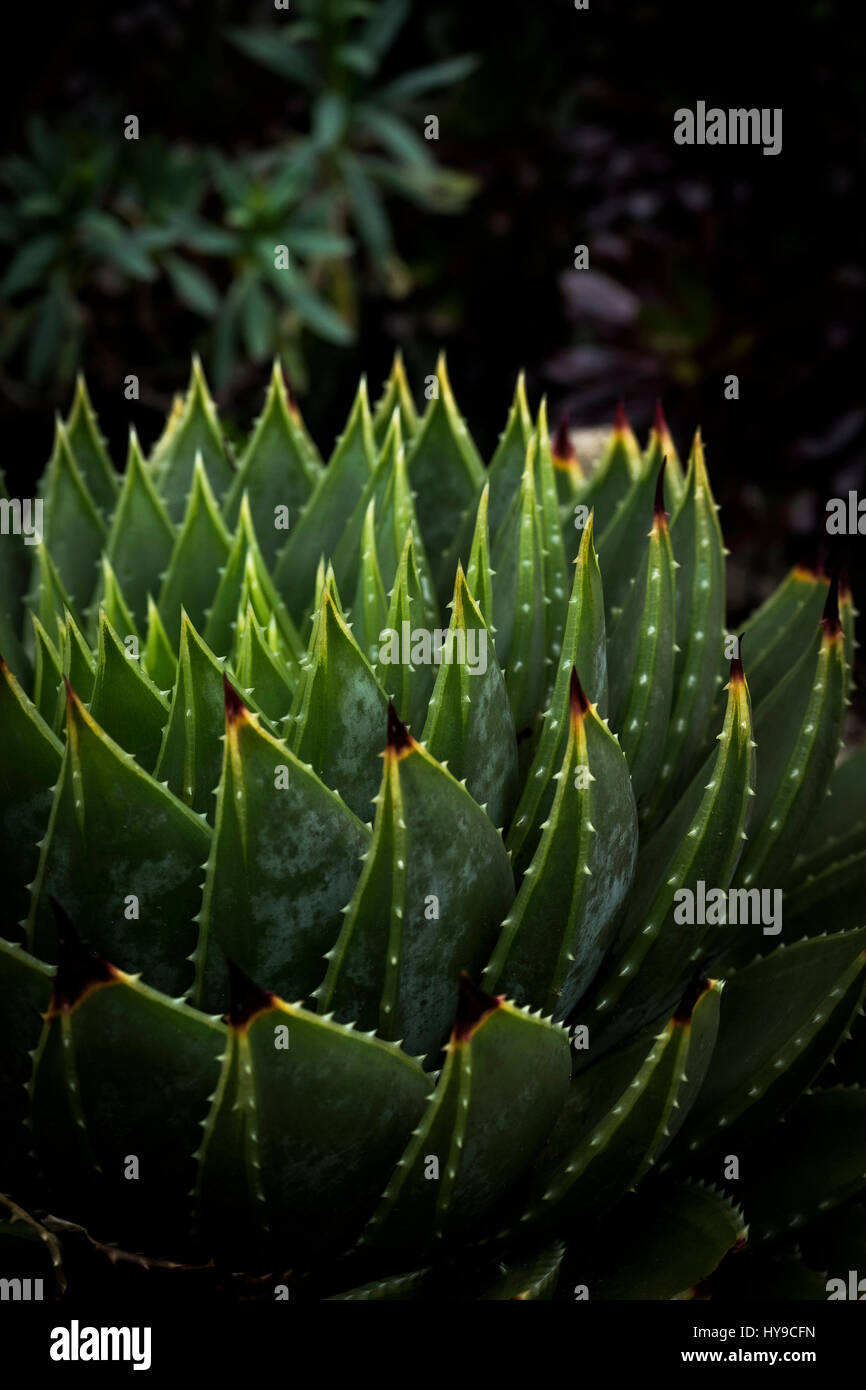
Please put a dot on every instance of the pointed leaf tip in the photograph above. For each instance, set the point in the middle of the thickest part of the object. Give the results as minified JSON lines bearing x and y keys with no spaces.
{"x":236,"y":710}
{"x":696,"y":990}
{"x":737,"y":672}
{"x":562,"y":447}
{"x":399,"y":738}
{"x":660,"y":424}
{"x":246,"y":998}
{"x":472,"y":1005}
{"x":620,"y":419}
{"x":577,"y":696}
{"x":830,"y":617}
{"x":77,"y":965}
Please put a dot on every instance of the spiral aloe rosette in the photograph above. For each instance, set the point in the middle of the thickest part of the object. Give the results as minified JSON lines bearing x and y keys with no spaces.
{"x":324,"y":955}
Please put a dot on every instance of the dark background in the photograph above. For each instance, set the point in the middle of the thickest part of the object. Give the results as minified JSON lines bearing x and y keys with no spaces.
{"x":704,"y":261}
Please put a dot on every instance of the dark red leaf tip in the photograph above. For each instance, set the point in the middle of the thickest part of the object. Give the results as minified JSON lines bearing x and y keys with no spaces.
{"x":246,"y":998}
{"x":236,"y":710}
{"x":472,"y":1005}
{"x":738,"y":675}
{"x":78,"y":967}
{"x":620,"y":419}
{"x":399,"y":738}
{"x":660,"y":424}
{"x":830,"y":617}
{"x":659,"y":513}
{"x":577,"y":696}
{"x":562,"y":447}
{"x":696,"y":990}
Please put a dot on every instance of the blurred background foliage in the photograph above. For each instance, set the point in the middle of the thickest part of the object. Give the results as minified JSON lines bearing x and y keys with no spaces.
{"x":305,"y":127}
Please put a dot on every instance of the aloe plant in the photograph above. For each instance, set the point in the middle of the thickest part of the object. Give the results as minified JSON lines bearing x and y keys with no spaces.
{"x":351,"y":816}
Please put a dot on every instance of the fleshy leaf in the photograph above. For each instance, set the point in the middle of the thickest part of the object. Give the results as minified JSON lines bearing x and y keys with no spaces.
{"x":285,"y":858}
{"x":74,"y":530}
{"x":30,"y":756}
{"x":191,"y":754}
{"x":321,"y":523}
{"x":506,"y":466}
{"x":25,"y":993}
{"x":583,"y":648}
{"x":141,"y":537}
{"x":305,"y":1185}
{"x":200,"y":551}
{"x":405,"y":660}
{"x":561,"y":924}
{"x":435,"y":885}
{"x":396,"y":395}
{"x":126,"y":703}
{"x":446,"y":472}
{"x":469,"y":727}
{"x":661,"y":449}
{"x":505,"y":1072}
{"x":88,"y":449}
{"x":641,"y":660}
{"x":520,"y":602}
{"x":122,"y":855}
{"x":48,"y":676}
{"x":261,"y":670}
{"x":158,"y":659}
{"x":369,"y":609}
{"x":618,"y":467}
{"x":479,"y":574}
{"x":244,"y":579}
{"x":276,"y":470}
{"x":196,"y":432}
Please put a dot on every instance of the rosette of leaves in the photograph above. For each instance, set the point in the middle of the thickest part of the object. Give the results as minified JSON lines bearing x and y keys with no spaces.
{"x":371,"y":978}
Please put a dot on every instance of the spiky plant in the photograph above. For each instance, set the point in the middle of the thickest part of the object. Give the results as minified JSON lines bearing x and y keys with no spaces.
{"x":331,"y":962}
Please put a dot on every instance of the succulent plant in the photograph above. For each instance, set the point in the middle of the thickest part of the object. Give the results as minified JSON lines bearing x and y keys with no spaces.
{"x":393,"y":853}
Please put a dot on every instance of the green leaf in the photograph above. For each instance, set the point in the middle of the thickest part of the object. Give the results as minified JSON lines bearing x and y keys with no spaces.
{"x":321,"y":523}
{"x":568,"y":905}
{"x":505,"y":1072}
{"x":591,"y":1168}
{"x":309,"y":1184}
{"x":275,"y":470}
{"x":700,"y":555}
{"x":338,"y":717}
{"x":196,"y":432}
{"x":116,"y":834}
{"x":838,"y":826}
{"x":29,"y":764}
{"x":245,"y":579}
{"x":261,"y":670}
{"x":158,"y":659}
{"x":520,"y":602}
{"x":622,"y":543}
{"x":281,"y":55}
{"x":823,"y":1140}
{"x":77,"y":661}
{"x":435,"y":885}
{"x":654,"y":954}
{"x":641,"y":661}
{"x":506,"y":466}
{"x":583,"y":648}
{"x":404,"y":663}
{"x":553,"y":550}
{"x":48,"y":598}
{"x":74,"y":531}
{"x":25,"y":993}
{"x":201,"y":549}
{"x":775,"y":636}
{"x":369,"y":610}
{"x":798,"y":730}
{"x":126,"y":703}
{"x":89,"y":451}
{"x":368,"y":207}
{"x":192,"y":287}
{"x":191,"y":754}
{"x":113,"y":603}
{"x":121,"y":1071}
{"x":479,"y":574}
{"x":48,"y":676}
{"x":446,"y":473}
{"x":619,"y":466}
{"x":528,"y":1279}
{"x":446,"y":73}
{"x":285,"y":858}
{"x":396,"y":395}
{"x":658,"y":1244}
{"x":141,"y":538}
{"x":766,"y":1057}
{"x":469,"y":727}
